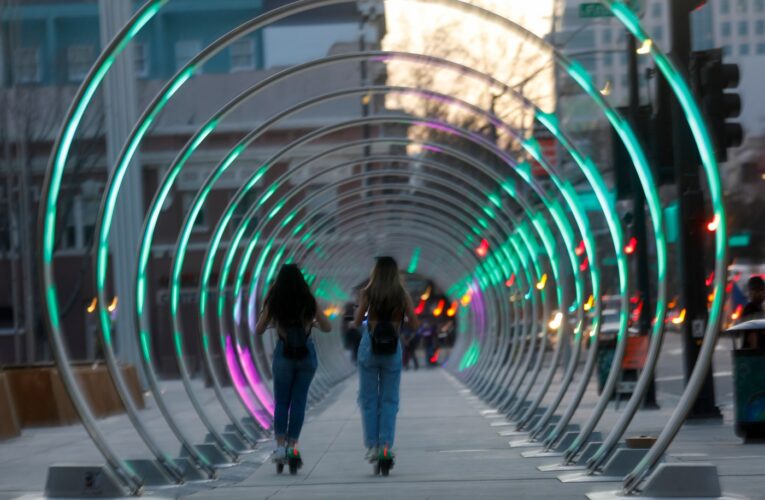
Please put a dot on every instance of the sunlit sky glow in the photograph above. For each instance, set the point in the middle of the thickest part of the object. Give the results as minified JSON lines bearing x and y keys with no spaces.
{"x":446,"y":32}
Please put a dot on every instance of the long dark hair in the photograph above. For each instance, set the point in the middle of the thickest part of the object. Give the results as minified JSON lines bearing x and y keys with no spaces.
{"x":290,"y":300}
{"x":385,"y":291}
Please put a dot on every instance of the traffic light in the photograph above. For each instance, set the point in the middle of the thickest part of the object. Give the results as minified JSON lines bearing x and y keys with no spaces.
{"x":712,"y":79}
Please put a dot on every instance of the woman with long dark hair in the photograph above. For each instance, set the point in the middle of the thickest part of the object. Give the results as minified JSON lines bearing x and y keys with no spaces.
{"x":386,"y":305}
{"x":291,"y":309}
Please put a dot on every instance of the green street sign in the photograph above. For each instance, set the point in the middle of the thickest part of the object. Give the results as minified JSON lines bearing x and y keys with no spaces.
{"x":596,"y":9}
{"x":739,"y":240}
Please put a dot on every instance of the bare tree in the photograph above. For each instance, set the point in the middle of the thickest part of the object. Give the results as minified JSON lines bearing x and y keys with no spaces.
{"x":31,"y":117}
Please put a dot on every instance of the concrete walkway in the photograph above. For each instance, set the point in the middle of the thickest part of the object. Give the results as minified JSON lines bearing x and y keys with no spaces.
{"x":446,"y":449}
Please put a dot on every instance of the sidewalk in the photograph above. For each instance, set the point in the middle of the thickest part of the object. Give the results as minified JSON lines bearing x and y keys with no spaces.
{"x":446,"y":450}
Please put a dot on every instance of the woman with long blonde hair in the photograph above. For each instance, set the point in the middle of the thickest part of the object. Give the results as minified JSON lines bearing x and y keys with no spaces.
{"x":384,"y":305}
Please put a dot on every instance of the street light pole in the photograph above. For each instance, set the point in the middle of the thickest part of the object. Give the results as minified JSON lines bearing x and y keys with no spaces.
{"x":639,"y":231}
{"x":690,"y":200}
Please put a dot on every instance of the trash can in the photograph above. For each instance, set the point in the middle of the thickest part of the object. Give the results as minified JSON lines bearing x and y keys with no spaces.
{"x":749,"y":393}
{"x":749,"y":386}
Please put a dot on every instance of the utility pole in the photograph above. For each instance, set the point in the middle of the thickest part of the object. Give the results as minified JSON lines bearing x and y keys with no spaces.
{"x":120,"y":113}
{"x":691,"y":236}
{"x":638,"y":210}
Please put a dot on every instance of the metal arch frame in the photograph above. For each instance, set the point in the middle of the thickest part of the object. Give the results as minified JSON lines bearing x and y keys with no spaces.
{"x":549,"y":119}
{"x":187,"y":223}
{"x":709,"y":164}
{"x":180,"y":361}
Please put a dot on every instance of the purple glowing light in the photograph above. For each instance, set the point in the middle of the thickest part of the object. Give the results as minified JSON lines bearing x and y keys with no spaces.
{"x":240,"y":385}
{"x":261,"y":391}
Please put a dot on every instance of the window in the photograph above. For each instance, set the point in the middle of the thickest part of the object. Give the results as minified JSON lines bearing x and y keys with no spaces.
{"x":141,"y":60}
{"x":26,"y":65}
{"x":761,"y":48}
{"x":656,"y":10}
{"x":741,"y":6}
{"x":242,"y":55}
{"x":607,"y":36}
{"x":89,"y":212}
{"x":322,"y":201}
{"x":200,"y":224}
{"x":759,"y":5}
{"x":743,"y":28}
{"x":725,"y":6}
{"x":78,"y":61}
{"x":727,"y":50}
{"x":725,"y":29}
{"x":248,"y":201}
{"x":185,"y":50}
{"x":608,"y":59}
{"x":759,"y":27}
{"x":743,"y":50}
{"x":658,"y":33}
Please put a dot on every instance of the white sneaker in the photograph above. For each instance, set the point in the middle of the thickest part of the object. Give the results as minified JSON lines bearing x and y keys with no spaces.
{"x":371,"y":454}
{"x":279,"y":454}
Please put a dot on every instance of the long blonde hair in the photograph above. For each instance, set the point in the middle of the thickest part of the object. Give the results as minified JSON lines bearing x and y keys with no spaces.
{"x":385,"y":291}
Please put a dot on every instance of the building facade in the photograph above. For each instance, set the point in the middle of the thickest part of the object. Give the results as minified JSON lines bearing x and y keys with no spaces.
{"x":47,"y":48}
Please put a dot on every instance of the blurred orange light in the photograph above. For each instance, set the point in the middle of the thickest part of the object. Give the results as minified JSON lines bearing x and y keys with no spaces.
{"x":452,"y":310}
{"x":482,"y":249}
{"x":631,"y":246}
{"x":590,"y":302}
{"x":92,"y":306}
{"x":541,"y":284}
{"x":420,"y":307}
{"x":439,"y":308}
{"x":580,"y":249}
{"x":712,"y":226}
{"x":737,"y":313}
{"x":680,"y":318}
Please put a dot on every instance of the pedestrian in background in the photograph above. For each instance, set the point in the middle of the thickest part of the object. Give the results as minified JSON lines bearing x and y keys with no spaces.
{"x":754,"y":339}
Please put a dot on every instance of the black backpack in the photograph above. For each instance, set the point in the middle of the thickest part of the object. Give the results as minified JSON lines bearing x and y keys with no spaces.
{"x":385,"y":335}
{"x":295,"y":341}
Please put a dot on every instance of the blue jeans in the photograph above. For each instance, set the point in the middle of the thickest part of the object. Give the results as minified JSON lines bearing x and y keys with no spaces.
{"x":292,"y":378}
{"x":379,"y":383}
